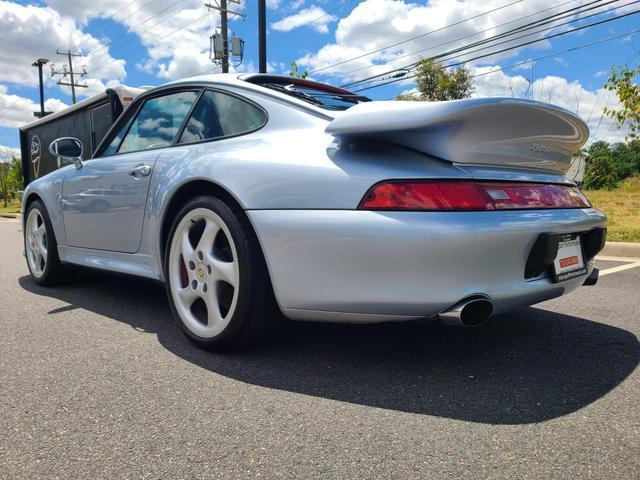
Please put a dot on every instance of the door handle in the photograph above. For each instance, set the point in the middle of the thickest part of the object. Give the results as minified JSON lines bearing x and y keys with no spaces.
{"x":140,"y":170}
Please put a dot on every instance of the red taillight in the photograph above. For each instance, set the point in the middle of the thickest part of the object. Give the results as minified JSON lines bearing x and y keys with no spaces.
{"x":448,"y":195}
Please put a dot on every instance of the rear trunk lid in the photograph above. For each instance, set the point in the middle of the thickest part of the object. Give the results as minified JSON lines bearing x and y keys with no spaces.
{"x":497,"y":132}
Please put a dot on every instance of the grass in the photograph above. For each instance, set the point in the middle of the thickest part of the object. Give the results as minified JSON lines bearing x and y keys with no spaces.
{"x":12,"y":207}
{"x":622,"y":207}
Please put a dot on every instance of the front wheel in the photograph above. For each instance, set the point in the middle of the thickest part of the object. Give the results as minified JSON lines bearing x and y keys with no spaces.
{"x":217,"y":281}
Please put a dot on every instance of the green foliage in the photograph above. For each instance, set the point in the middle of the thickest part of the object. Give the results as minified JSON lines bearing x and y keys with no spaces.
{"x":10,"y":180}
{"x":607,"y":165}
{"x":296,"y":73}
{"x":624,"y":82}
{"x":435,"y":83}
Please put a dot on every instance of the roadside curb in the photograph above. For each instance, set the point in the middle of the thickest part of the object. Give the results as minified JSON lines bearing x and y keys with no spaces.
{"x":9,"y":215}
{"x":621,"y":249}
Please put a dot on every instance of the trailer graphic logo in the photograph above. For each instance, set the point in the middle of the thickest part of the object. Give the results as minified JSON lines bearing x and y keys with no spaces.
{"x":35,"y":155}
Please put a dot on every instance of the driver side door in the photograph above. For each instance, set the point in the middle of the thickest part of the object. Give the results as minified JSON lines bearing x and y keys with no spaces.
{"x":103,"y":203}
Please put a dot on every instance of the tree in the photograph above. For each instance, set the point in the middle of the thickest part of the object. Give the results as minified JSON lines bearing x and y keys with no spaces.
{"x":624,"y":82}
{"x":599,"y":170}
{"x":15,"y":178}
{"x":10,"y":175}
{"x":295,"y":73}
{"x":435,"y":83}
{"x":5,"y":169}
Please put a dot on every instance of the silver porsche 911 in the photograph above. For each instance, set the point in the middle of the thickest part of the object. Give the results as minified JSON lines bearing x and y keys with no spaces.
{"x":256,"y":196}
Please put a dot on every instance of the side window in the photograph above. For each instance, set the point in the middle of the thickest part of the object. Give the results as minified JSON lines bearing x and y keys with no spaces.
{"x":220,"y":115}
{"x":155,"y":125}
{"x":117,"y":140}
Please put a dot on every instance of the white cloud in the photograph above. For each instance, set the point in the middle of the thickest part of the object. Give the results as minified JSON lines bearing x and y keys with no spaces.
{"x":313,"y":17}
{"x":16,"y":110}
{"x":175,"y":33}
{"x":561,"y":61}
{"x":7,"y":153}
{"x":376,"y":24}
{"x":296,"y":4}
{"x":30,"y":32}
{"x":573,"y":96}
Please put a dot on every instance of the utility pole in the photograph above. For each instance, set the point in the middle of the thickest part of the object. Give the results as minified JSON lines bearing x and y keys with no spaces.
{"x":39,"y":63}
{"x":262,"y":36}
{"x":225,"y":36}
{"x":221,"y":6}
{"x":68,"y":70}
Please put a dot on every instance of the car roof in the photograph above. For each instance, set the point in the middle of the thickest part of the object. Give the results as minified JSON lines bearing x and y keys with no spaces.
{"x":251,"y":81}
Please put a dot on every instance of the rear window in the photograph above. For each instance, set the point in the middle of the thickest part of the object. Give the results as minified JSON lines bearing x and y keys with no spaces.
{"x":318,"y":94}
{"x":220,"y":115}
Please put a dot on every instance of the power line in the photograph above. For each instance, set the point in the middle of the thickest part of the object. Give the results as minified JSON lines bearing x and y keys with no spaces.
{"x":123,"y":36}
{"x":558,"y":52}
{"x":533,"y":33}
{"x":160,"y":38}
{"x":460,"y":38}
{"x":522,"y":28}
{"x":509,"y":48}
{"x":113,"y":15}
{"x":417,"y":36}
{"x":170,"y":7}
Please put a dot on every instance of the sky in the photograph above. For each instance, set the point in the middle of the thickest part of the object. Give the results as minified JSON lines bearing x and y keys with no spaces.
{"x":151,"y":42}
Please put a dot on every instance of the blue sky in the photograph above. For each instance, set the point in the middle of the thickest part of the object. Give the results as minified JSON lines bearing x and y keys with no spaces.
{"x":150,"y":42}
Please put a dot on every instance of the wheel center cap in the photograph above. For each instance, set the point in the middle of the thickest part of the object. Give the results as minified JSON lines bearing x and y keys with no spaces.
{"x":200,"y":272}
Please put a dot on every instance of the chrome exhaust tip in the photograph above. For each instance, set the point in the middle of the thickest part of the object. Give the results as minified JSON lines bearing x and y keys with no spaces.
{"x":472,"y":312}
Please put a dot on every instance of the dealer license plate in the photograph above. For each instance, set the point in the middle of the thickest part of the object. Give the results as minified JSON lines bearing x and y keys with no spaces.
{"x":569,"y":262}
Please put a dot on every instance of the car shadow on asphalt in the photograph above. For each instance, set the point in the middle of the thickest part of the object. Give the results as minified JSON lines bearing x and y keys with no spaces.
{"x":530,"y":366}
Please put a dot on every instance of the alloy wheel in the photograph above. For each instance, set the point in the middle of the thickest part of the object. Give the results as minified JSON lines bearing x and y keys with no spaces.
{"x":36,"y":243}
{"x":204,"y":272}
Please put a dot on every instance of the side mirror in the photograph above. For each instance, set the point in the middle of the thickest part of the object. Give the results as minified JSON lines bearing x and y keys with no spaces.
{"x":68,"y":149}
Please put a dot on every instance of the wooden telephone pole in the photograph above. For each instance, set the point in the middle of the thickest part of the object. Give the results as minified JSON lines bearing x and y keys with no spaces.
{"x":221,"y":6}
{"x":68,"y":70}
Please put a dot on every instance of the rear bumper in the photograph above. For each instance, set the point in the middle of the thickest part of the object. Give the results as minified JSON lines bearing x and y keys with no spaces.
{"x":360,"y":266}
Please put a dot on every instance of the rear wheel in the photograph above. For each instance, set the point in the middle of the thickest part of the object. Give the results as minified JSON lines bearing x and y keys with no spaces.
{"x":217,"y":282}
{"x":40,"y":246}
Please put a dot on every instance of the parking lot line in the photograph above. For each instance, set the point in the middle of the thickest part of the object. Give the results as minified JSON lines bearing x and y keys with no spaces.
{"x":609,"y":258}
{"x":620,"y":268}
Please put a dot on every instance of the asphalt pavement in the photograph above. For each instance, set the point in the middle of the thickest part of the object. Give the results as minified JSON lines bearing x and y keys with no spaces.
{"x":97,"y":382}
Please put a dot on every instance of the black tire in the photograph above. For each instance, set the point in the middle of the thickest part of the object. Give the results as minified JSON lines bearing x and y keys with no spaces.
{"x":53,"y":272}
{"x":256,"y":313}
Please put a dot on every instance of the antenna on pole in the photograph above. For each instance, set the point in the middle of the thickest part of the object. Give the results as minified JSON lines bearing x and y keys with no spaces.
{"x":219,"y":50}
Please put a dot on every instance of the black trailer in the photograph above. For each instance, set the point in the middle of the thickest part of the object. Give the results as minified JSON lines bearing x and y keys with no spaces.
{"x":88,"y":120}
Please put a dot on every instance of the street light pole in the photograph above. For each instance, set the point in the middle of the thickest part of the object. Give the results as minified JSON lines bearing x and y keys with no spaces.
{"x":262,"y":36}
{"x":39,"y":63}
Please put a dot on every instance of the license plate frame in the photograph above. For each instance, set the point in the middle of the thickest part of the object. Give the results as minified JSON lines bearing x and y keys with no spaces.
{"x":570,"y":261}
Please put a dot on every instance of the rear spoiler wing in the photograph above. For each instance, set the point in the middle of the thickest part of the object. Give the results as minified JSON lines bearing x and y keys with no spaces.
{"x":503,"y":132}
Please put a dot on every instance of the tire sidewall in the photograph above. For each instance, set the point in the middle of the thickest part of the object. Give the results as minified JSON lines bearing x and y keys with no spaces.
{"x":240,"y":314}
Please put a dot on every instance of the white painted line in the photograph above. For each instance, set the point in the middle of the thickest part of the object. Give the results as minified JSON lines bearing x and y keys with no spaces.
{"x":608,"y":258}
{"x":619,"y":268}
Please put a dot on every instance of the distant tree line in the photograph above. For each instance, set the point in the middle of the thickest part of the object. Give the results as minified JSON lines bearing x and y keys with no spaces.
{"x":11,"y":184}
{"x":606,"y":165}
